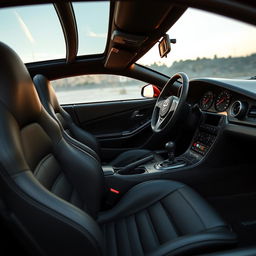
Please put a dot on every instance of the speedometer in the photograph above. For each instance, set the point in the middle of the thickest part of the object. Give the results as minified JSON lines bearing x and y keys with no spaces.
{"x":222,"y":102}
{"x":207,"y":100}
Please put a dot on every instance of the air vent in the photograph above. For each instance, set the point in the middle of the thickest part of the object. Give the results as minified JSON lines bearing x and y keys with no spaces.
{"x":238,"y":109}
{"x":252,"y":112}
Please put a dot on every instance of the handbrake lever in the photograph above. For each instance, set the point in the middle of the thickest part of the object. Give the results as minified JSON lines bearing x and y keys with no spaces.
{"x":126,"y":169}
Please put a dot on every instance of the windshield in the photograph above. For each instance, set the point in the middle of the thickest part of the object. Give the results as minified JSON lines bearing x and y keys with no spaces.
{"x":207,"y":45}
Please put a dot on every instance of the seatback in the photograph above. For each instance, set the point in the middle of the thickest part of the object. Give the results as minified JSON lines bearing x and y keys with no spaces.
{"x":53,"y":189}
{"x":49,"y":100}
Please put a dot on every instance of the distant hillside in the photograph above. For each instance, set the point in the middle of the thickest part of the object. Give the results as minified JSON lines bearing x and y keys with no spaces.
{"x":238,"y":67}
{"x":93,"y":81}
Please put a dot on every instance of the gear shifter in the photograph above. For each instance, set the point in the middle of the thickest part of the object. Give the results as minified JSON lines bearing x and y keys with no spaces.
{"x":170,"y":148}
{"x":171,"y":162}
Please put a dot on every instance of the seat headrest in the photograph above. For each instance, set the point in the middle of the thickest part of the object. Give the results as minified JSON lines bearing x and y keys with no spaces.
{"x":17,"y":92}
{"x":46,"y":93}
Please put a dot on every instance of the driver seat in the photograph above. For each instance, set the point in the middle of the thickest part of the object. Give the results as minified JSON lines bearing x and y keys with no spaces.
{"x":50,"y":102}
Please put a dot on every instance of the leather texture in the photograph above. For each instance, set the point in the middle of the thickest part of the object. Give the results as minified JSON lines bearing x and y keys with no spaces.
{"x":49,"y":100}
{"x":162,"y":218}
{"x":250,"y":251}
{"x":54,"y":190}
{"x":70,"y":129}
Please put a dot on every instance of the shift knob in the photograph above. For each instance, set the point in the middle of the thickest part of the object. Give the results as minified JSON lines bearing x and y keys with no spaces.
{"x":170,"y":148}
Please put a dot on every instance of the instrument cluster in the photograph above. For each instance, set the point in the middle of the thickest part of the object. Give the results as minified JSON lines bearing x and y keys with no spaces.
{"x":217,"y":102}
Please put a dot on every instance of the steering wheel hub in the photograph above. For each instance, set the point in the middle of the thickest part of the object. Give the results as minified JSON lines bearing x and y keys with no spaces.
{"x":164,"y":109}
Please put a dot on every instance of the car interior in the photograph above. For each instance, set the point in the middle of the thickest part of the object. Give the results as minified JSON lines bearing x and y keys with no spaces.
{"x":167,"y":170}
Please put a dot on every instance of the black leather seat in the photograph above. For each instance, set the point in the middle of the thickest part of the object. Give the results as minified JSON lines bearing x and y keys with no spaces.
{"x":246,"y":251}
{"x":162,"y":218}
{"x":54,"y":189}
{"x":50,"y":102}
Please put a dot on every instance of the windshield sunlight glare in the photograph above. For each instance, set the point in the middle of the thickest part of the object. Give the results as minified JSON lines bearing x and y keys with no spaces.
{"x":217,"y":47}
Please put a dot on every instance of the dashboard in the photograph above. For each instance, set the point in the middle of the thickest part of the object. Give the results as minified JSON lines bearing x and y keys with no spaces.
{"x":234,"y":98}
{"x":226,"y":104}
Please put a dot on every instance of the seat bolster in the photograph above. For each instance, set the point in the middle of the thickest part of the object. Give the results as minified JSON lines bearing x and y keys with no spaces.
{"x":139,"y":197}
{"x":196,"y":243}
{"x":60,"y":209}
{"x":81,"y":135}
{"x":81,"y":146}
{"x":207,"y":215}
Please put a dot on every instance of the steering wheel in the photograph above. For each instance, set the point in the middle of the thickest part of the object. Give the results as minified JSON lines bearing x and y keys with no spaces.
{"x":168,"y":107}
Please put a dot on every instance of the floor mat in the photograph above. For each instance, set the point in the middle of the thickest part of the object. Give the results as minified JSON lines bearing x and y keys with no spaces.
{"x":240,"y":212}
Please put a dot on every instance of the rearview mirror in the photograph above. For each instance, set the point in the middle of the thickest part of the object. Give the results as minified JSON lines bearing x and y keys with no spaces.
{"x":150,"y":91}
{"x":164,"y":46}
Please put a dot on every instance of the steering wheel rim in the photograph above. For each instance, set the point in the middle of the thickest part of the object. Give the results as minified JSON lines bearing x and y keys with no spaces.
{"x":168,"y":108}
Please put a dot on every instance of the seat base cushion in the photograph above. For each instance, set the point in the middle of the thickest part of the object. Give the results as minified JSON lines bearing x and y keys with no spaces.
{"x":162,"y":217}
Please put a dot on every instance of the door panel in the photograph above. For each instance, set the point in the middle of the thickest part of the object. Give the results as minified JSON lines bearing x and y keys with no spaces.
{"x":91,"y":111}
{"x":118,"y":125}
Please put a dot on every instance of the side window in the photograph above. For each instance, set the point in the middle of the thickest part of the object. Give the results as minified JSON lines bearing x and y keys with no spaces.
{"x":96,"y":88}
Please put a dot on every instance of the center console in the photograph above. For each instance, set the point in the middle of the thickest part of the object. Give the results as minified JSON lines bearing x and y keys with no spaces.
{"x":184,"y":168}
{"x":206,"y":134}
{"x":200,"y":145}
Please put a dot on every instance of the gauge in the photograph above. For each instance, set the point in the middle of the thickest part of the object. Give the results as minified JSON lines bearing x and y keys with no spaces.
{"x":222,"y":102}
{"x":207,"y":100}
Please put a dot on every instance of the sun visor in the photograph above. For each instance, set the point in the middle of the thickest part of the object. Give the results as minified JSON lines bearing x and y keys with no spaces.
{"x":131,"y":17}
{"x":119,"y":58}
{"x":127,"y":40}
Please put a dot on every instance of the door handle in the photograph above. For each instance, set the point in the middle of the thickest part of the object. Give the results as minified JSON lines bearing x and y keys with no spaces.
{"x":137,"y":114}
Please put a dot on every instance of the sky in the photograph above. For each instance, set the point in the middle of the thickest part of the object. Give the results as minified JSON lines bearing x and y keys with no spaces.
{"x":35,"y":33}
{"x":202,"y":34}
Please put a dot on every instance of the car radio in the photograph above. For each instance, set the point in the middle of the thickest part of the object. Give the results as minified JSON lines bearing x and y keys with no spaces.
{"x":206,"y":134}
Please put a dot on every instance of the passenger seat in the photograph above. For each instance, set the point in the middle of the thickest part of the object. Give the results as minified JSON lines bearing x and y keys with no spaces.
{"x":50,"y":102}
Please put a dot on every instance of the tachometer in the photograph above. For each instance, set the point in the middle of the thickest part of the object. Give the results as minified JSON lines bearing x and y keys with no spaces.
{"x":207,"y":100}
{"x":222,"y":102}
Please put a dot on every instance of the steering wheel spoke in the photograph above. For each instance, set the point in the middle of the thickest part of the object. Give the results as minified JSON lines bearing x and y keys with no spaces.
{"x":159,"y":122}
{"x":175,"y":103}
{"x":160,"y":103}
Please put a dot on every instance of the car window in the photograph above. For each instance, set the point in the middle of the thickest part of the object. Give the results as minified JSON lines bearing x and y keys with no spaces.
{"x":92,"y":23}
{"x":96,"y":88}
{"x":34,"y":32}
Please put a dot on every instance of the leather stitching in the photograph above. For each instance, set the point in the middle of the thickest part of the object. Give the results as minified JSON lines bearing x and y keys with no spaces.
{"x":171,"y":219}
{"x":192,"y":207}
{"x":56,"y":182}
{"x":132,"y":219}
{"x":138,"y":231}
{"x":41,"y":164}
{"x":128,"y":236}
{"x":114,"y":236}
{"x":46,"y":209}
{"x":151,"y":224}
